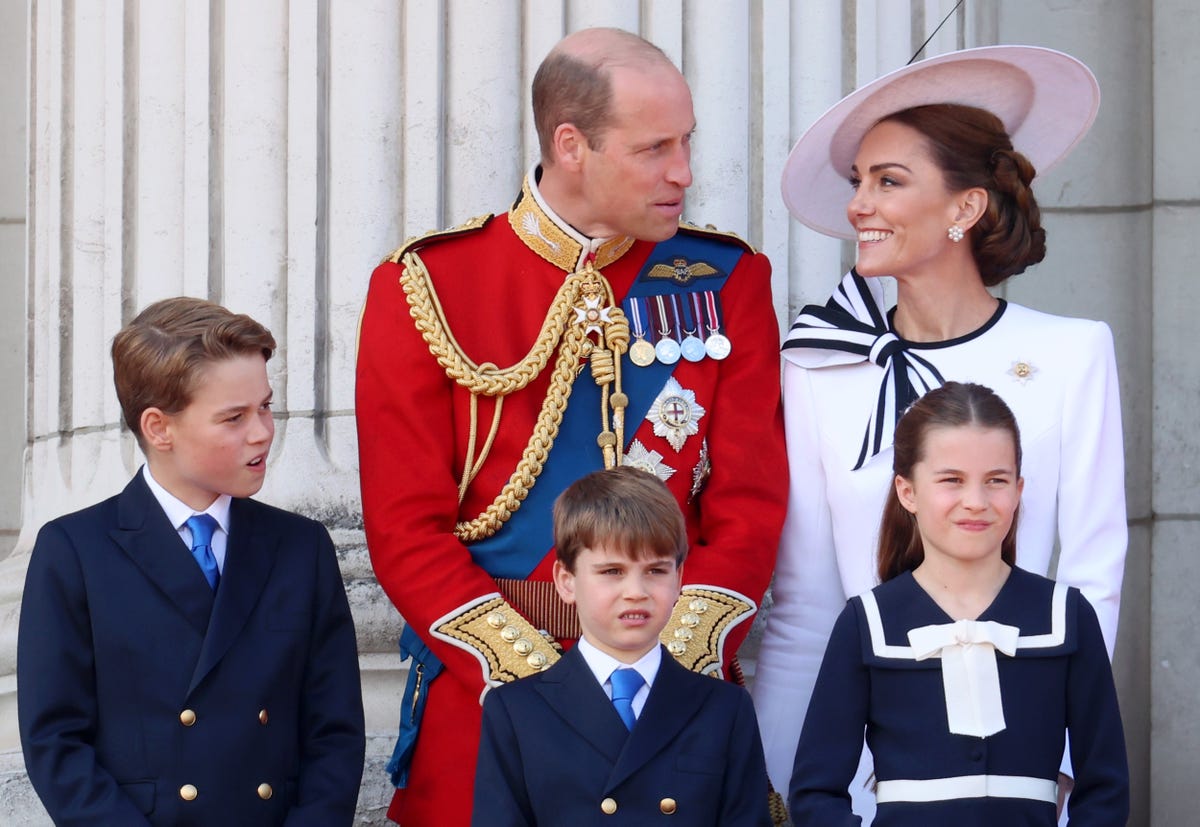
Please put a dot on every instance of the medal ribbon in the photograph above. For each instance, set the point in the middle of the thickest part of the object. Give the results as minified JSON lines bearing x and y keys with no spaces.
{"x":634,"y":307}
{"x":662,"y":328}
{"x":712,"y":305}
{"x":675,"y":314}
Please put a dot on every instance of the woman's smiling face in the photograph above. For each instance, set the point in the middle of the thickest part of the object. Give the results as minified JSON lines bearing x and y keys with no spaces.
{"x":901,"y":208}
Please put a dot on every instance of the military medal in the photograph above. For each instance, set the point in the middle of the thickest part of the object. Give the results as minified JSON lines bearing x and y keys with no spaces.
{"x":675,"y":414}
{"x":717,"y":345}
{"x":641,"y":352}
{"x":650,"y":461}
{"x":692,"y":348}
{"x":667,"y":349}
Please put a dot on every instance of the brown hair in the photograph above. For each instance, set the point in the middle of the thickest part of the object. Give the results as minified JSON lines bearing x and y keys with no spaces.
{"x":624,"y":509}
{"x":972,"y":148}
{"x":159,"y":356}
{"x":953,"y":405}
{"x":574,"y":83}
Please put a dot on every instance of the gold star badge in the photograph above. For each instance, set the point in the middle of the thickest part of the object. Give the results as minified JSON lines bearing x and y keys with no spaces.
{"x":1022,"y":371}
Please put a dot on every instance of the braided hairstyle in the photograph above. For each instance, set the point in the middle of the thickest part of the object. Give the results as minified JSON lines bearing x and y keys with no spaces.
{"x":972,"y":148}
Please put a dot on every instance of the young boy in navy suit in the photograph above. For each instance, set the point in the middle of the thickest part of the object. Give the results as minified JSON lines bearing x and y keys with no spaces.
{"x":186,"y":655}
{"x":617,"y":730}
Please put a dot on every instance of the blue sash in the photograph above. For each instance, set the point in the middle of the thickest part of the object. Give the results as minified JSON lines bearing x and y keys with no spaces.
{"x":517,"y":548}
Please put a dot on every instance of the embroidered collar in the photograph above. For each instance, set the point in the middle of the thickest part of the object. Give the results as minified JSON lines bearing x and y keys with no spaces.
{"x":554,"y":239}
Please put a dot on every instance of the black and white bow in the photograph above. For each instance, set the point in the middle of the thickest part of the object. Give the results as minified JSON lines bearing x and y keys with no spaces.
{"x":851,"y":327}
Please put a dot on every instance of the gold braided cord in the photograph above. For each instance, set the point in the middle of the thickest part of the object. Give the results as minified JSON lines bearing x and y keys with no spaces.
{"x":540,"y":442}
{"x":488,"y":380}
{"x":472,"y":465}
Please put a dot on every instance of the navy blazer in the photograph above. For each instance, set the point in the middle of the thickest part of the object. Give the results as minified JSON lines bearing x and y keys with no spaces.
{"x":145,"y":699}
{"x":554,"y":751}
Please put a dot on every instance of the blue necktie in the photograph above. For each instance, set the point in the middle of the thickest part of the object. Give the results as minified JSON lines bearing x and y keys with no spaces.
{"x":625,"y":684}
{"x":202,"y":526}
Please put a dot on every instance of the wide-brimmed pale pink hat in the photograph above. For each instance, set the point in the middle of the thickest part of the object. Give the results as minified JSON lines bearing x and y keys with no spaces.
{"x":1046,"y":99}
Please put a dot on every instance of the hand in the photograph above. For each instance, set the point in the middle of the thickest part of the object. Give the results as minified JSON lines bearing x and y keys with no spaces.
{"x":1065,"y":784}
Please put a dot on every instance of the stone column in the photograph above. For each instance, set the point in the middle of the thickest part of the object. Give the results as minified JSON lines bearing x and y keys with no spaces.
{"x":1098,"y":265}
{"x":1173,"y":403}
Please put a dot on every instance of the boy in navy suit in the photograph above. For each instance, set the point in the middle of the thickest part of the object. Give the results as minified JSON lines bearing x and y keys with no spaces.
{"x":617,"y":729}
{"x":186,"y":655}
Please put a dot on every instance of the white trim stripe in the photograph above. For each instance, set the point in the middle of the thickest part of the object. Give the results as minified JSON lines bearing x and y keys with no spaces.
{"x":967,"y":786}
{"x":1058,"y":624}
{"x":1055,"y":637}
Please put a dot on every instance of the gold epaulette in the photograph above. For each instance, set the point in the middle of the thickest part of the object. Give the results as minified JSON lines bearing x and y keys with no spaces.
{"x":709,"y":231}
{"x":696,"y":631}
{"x":500,"y":638}
{"x":418,"y":241}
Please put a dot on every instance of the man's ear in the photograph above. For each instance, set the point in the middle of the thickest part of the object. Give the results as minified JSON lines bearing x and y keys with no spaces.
{"x":156,"y":430}
{"x":568,"y":146}
{"x":564,"y":582}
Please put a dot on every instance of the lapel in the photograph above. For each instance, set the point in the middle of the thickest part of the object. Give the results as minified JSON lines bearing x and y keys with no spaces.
{"x":149,"y":539}
{"x":673,"y":701}
{"x":574,"y":694}
{"x":249,"y":559}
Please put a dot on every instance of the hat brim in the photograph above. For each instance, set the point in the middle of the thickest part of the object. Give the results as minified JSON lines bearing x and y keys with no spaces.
{"x":1046,"y":99}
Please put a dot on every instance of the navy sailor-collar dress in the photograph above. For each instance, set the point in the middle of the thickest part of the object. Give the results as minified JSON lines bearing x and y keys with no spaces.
{"x":966,"y":720}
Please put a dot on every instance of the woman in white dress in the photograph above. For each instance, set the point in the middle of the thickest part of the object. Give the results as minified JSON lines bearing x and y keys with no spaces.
{"x":920,"y":168}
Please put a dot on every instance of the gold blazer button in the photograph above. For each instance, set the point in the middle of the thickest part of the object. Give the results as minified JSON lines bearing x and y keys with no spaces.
{"x":667,"y":806}
{"x":608,"y":806}
{"x":262,"y":717}
{"x":265,"y":791}
{"x":187,"y":717}
{"x":188,"y":792}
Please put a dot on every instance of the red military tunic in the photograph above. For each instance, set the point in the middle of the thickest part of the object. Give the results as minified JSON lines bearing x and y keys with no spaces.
{"x":495,"y":280}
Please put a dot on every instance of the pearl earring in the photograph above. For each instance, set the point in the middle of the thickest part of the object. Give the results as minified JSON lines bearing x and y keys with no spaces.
{"x":955,"y":233}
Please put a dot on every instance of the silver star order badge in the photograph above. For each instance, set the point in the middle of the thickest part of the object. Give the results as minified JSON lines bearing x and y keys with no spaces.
{"x":639,"y":456}
{"x":701,"y":471}
{"x":675,"y":414}
{"x":1022,"y":371}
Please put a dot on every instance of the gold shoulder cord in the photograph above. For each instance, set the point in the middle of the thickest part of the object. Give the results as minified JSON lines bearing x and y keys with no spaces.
{"x":582,"y":295}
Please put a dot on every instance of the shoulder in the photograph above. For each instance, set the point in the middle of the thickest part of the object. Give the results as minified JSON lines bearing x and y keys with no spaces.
{"x":708,"y":231}
{"x":285,"y":523}
{"x":433,"y":238}
{"x":1024,"y":321}
{"x":103,"y":512}
{"x":1032,"y":584}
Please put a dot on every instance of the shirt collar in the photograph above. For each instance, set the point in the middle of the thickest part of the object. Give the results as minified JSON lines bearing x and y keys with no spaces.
{"x":603,"y":664}
{"x":178,"y":511}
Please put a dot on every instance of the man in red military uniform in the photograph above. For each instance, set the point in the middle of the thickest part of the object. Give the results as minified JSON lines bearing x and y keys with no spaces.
{"x":503,"y":359}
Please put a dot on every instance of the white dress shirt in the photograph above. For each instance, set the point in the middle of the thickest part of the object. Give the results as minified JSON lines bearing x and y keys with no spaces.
{"x":603,"y":665}
{"x":178,"y":513}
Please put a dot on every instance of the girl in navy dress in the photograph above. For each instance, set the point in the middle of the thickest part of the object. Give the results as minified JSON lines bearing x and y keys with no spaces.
{"x":966,"y":673}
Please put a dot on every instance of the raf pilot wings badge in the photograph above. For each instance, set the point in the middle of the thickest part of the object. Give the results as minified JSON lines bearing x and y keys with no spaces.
{"x":682,"y":273}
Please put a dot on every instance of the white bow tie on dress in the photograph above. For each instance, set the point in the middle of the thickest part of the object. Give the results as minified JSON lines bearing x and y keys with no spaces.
{"x":969,"y":675}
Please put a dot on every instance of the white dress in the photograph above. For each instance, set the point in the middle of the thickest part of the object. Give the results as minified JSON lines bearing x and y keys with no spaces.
{"x":1059,"y":377}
